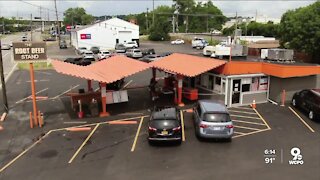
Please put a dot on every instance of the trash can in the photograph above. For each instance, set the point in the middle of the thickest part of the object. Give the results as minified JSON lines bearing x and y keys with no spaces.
{"x":94,"y":108}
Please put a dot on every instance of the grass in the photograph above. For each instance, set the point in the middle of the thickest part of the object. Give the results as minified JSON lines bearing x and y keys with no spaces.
{"x":36,"y":66}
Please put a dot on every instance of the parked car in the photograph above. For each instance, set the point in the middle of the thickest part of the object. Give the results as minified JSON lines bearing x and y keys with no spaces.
{"x":104,"y":54}
{"x":63,"y":44}
{"x":78,"y":61}
{"x":131,"y":44}
{"x":134,"y":53}
{"x":81,"y":50}
{"x":199,"y":43}
{"x":120,"y":48}
{"x":95,"y":49}
{"x":309,"y":101}
{"x":177,"y":41}
{"x":147,"y":51}
{"x":165,"y":125}
{"x":150,"y":58}
{"x":51,"y":38}
{"x":165,"y":54}
{"x":208,"y":50}
{"x":212,"y":120}
{"x":88,"y":55}
{"x":215,"y":32}
{"x":5,"y":47}
{"x":24,"y":38}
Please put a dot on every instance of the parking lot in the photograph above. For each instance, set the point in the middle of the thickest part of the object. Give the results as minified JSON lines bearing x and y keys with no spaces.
{"x":116,"y":147}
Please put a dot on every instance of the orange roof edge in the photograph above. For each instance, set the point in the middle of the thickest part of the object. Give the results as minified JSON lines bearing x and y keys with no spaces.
{"x":278,"y":70}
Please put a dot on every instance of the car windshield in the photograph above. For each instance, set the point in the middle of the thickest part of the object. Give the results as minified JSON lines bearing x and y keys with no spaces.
{"x":106,"y":53}
{"x":89,"y":53}
{"x":137,"y":51}
{"x":82,"y":48}
{"x":131,"y":43}
{"x":164,"y":124}
{"x":217,"y":117}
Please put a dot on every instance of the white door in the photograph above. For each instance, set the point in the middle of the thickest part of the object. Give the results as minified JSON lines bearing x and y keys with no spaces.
{"x":125,"y":36}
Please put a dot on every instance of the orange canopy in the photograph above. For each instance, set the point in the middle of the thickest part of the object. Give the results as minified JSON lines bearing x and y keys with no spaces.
{"x":108,"y":70}
{"x":186,"y":65}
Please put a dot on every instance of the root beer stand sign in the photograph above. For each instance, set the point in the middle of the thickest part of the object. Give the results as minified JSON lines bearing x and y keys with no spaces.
{"x":31,"y":52}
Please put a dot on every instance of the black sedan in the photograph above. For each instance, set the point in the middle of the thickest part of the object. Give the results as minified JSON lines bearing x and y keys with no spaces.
{"x":165,"y":125}
{"x":309,"y":101}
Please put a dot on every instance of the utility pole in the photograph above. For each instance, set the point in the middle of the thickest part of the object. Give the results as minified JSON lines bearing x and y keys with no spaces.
{"x":255,"y":19}
{"x":31,"y":27}
{"x":173,"y":24}
{"x":3,"y":28}
{"x":207,"y":23}
{"x":58,"y":23}
{"x":3,"y":83}
{"x":147,"y":25}
{"x":152,"y":12}
{"x":187,"y":24}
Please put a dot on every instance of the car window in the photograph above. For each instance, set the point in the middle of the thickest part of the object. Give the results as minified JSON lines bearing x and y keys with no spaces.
{"x":199,"y":110}
{"x":216,"y":117}
{"x":164,"y":124}
{"x":137,"y":51}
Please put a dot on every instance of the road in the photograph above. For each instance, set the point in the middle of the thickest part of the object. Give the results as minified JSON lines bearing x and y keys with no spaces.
{"x":8,"y":63}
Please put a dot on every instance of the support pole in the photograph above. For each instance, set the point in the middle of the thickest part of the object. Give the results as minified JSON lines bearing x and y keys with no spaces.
{"x":283,"y":99}
{"x":33,"y":90}
{"x":90,"y":86}
{"x":104,"y":112}
{"x":154,"y":73}
{"x":3,"y":84}
{"x":179,"y":90}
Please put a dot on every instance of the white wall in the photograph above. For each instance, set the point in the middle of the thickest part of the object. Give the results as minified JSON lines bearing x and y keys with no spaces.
{"x":104,"y":34}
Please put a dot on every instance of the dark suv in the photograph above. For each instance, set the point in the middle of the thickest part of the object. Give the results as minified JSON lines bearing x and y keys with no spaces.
{"x":309,"y":101}
{"x":165,"y":125}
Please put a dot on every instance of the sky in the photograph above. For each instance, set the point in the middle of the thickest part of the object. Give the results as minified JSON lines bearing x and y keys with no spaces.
{"x":266,"y":8}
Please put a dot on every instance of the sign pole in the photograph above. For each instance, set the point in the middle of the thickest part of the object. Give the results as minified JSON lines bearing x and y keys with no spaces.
{"x":33,"y":89}
{"x":3,"y":83}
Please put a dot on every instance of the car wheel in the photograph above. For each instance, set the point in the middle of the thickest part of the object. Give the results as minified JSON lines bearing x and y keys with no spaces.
{"x":294,"y":102}
{"x":311,"y":115}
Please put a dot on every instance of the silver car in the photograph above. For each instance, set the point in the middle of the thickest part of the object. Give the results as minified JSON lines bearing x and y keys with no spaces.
{"x":134,"y":53}
{"x":212,"y":120}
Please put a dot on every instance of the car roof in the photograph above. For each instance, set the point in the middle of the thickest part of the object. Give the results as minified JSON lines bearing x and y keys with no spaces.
{"x":213,"y":106}
{"x":316,"y":91}
{"x":165,"y":113}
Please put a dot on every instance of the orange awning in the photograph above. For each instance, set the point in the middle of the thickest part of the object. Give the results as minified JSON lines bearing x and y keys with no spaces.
{"x":186,"y":65}
{"x":108,"y":70}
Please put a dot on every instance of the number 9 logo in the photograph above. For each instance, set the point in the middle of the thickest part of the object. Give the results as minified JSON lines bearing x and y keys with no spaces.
{"x":295,"y":152}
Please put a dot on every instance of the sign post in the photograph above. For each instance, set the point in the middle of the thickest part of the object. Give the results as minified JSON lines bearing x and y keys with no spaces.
{"x":30,"y":52}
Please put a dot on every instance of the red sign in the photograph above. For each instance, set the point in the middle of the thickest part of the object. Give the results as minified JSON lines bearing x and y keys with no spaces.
{"x":68,"y":27}
{"x":85,"y":36}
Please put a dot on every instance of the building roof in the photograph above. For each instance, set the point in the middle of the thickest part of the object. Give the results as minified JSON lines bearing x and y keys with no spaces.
{"x":273,"y":69}
{"x":264,"y":44}
{"x":186,"y":65}
{"x":108,"y":70}
{"x":110,"y":22}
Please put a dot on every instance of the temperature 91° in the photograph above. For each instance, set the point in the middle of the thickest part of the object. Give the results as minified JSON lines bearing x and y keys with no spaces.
{"x":269,"y":160}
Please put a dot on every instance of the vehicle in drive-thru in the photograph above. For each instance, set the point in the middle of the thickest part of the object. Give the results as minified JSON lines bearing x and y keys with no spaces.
{"x":81,"y":50}
{"x":78,"y":61}
{"x":104,"y":54}
{"x":308,"y":100}
{"x":63,"y":44}
{"x":212,"y":120}
{"x":88,"y":55}
{"x":165,"y":125}
{"x":120,"y":48}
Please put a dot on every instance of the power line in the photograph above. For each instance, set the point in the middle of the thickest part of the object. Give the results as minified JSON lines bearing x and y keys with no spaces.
{"x":38,"y":6}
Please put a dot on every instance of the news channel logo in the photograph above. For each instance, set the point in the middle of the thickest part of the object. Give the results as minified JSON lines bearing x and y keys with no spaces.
{"x":296,"y":156}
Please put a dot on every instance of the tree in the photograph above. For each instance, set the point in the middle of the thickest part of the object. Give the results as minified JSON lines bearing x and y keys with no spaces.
{"x":300,"y":29}
{"x":77,"y":16}
{"x":162,"y":25}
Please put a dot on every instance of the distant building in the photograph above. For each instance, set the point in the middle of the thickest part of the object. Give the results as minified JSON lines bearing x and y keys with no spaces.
{"x":105,"y":34}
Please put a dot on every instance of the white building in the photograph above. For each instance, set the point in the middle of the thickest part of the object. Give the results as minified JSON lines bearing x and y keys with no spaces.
{"x":105,"y":34}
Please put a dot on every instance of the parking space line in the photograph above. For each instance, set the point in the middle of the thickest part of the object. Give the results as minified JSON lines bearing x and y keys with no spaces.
{"x":262,"y":118}
{"x":24,"y":152}
{"x":250,"y":128}
{"x":84,"y":143}
{"x":245,"y":116}
{"x":182,"y":128}
{"x":30,"y":95}
{"x":93,"y":124}
{"x":242,"y":108}
{"x":242,"y":112}
{"x":303,"y":121}
{"x":236,"y":132}
{"x":247,"y":122}
{"x":137,"y":135}
{"x":66,"y":91}
{"x":250,"y":133}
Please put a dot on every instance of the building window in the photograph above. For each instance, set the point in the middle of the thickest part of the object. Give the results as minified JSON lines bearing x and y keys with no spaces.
{"x":210,"y":82}
{"x":245,"y":87}
{"x":218,"y":80}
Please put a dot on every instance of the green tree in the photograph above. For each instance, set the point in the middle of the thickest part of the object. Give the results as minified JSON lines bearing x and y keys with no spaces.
{"x":77,"y":16}
{"x":300,"y":29}
{"x":162,"y":25}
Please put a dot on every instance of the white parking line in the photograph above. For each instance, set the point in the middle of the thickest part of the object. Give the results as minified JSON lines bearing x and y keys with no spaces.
{"x":247,"y":122}
{"x":242,"y":112}
{"x":250,"y":128}
{"x":30,"y":95}
{"x":66,"y":91}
